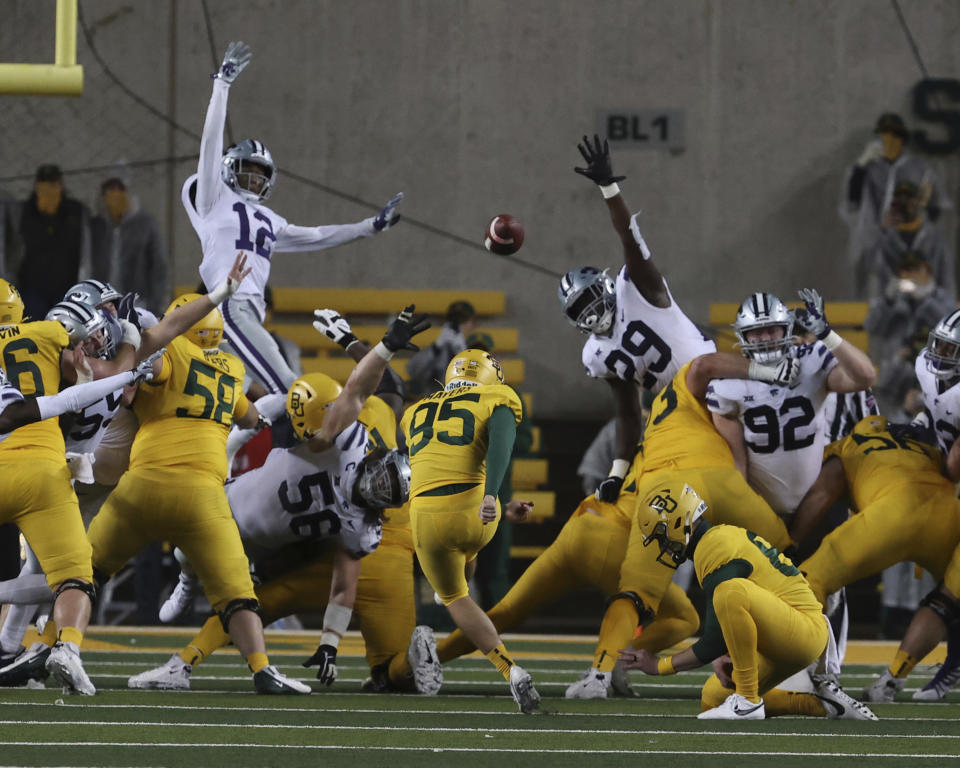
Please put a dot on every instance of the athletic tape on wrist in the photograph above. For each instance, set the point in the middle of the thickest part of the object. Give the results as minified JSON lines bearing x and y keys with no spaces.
{"x":219,"y":294}
{"x":609,"y":190}
{"x":384,"y":353}
{"x":832,"y":340}
{"x":336,"y":619}
{"x":620,"y":468}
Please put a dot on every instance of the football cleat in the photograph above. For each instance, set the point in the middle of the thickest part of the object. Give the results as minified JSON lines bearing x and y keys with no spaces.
{"x":180,"y":600}
{"x":593,"y":684}
{"x":735,"y":707}
{"x":174,"y":675}
{"x":839,"y":704}
{"x":522,"y":690}
{"x":28,"y":665}
{"x":422,"y":657}
{"x":884,"y":688}
{"x":946,"y":678}
{"x":620,"y":682}
{"x":65,"y":665}
{"x":271,"y":682}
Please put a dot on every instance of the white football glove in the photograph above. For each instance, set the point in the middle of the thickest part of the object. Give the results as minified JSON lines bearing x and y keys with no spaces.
{"x":786,"y":372}
{"x":388,"y":216}
{"x":873,"y":151}
{"x":143,"y":371}
{"x":235,"y":60}
{"x":331,"y":324}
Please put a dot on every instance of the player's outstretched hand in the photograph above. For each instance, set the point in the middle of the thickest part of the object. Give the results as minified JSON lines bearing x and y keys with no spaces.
{"x":813,"y":319}
{"x":642,"y":660}
{"x":231,"y":284}
{"x":785,"y":373}
{"x":143,"y":371}
{"x":405,"y":327}
{"x":488,"y":509}
{"x":331,"y":324}
{"x":235,"y":60}
{"x":597,"y":157}
{"x":388,"y":216}
{"x":609,"y":489}
{"x":517,"y":511}
{"x":325,"y":657}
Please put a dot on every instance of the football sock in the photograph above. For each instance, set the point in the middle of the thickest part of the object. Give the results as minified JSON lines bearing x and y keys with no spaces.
{"x":499,"y":658}
{"x":778,"y":702}
{"x":903,"y":664}
{"x":210,"y":637}
{"x":49,"y":634}
{"x":70,"y":635}
{"x":399,"y":671}
{"x":619,"y":623}
{"x":257,"y":661}
{"x":732,"y":606}
{"x":191,"y":655}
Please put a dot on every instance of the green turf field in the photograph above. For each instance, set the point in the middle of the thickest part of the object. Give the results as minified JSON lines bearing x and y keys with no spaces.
{"x":473,"y":722}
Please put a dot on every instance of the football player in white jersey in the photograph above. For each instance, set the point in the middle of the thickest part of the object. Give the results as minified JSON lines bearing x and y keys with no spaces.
{"x":639,"y":337}
{"x":778,"y":433}
{"x":938,"y":371}
{"x":224,"y":201}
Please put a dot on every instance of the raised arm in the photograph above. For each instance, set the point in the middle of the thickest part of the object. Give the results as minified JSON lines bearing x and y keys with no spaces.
{"x":296,"y":238}
{"x":636,"y":255}
{"x":211,"y":143}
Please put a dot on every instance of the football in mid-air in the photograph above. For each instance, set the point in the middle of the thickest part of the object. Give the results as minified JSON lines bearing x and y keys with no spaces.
{"x":504,"y":235}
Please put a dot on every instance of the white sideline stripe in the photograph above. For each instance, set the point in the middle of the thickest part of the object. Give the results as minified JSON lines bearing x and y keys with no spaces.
{"x":353,"y":710}
{"x":418,"y":729}
{"x":471,"y":749}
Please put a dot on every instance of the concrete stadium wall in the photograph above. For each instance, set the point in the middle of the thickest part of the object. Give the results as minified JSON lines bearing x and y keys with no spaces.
{"x":474,"y":107}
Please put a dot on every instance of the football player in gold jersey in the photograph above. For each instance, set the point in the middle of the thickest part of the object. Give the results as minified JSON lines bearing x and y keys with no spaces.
{"x":759,"y":610}
{"x":35,"y":483}
{"x":892,"y":473}
{"x":460,"y":440}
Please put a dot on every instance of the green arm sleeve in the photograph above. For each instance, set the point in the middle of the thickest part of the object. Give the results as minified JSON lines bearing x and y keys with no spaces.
{"x":712,"y":645}
{"x":501,"y":430}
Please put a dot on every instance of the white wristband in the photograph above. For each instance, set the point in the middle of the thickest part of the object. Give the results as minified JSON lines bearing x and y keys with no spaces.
{"x":609,"y":190}
{"x":219,"y":294}
{"x":130,"y":333}
{"x":832,"y":340}
{"x":759,"y":372}
{"x":620,"y":468}
{"x":385,"y":353}
{"x":336,"y":619}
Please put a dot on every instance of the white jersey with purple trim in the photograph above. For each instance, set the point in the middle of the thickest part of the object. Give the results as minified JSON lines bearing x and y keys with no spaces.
{"x":647,"y":344}
{"x":8,"y":394}
{"x":298,"y":495}
{"x":943,"y":406}
{"x":783,"y":428}
{"x":90,"y":424}
{"x":226,"y":223}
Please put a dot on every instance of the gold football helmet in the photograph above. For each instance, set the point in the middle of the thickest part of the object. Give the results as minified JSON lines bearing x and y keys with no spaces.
{"x":308,"y":400}
{"x":11,"y":305}
{"x":208,"y":332}
{"x":668,"y":517}
{"x":472,"y":367}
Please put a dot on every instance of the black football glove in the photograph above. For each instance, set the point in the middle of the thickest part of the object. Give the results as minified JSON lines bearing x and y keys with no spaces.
{"x":609,"y":489}
{"x":127,"y":309}
{"x":324,"y":657}
{"x":597,"y":157}
{"x":405,"y":327}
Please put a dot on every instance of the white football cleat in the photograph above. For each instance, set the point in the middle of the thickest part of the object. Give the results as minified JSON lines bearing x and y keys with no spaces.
{"x":422,"y":657}
{"x":946,"y":678}
{"x":522,"y":690}
{"x":620,"y":682}
{"x":884,"y":688}
{"x":174,"y":675}
{"x":839,"y":704}
{"x":735,"y":707}
{"x":65,"y":665}
{"x":592,"y":685}
{"x":180,"y":600}
{"x":271,"y":681}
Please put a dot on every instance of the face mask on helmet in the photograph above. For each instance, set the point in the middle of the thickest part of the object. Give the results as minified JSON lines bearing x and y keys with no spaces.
{"x":82,"y":323}
{"x":471,"y":368}
{"x":589,"y":299}
{"x":207,"y":332}
{"x":942,"y":353}
{"x":11,"y":305}
{"x":308,"y":399}
{"x":383,"y":479}
{"x":248,"y":170}
{"x":764,"y":328}
{"x":668,"y":520}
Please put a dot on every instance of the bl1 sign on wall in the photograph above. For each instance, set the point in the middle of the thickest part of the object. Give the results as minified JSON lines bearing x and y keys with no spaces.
{"x":643,"y":128}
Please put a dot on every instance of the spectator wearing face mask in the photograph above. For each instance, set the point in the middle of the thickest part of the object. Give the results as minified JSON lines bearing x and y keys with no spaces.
{"x":128,"y":250}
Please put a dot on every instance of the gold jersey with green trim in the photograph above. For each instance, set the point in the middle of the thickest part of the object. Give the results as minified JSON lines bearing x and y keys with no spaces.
{"x":30,"y":355}
{"x":381,"y":424}
{"x":880,"y":458}
{"x":770,"y":569}
{"x":680,"y":432}
{"x":446,"y":434}
{"x":186,"y":412}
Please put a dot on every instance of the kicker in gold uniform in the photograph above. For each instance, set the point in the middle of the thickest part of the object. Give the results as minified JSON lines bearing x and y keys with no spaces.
{"x":759,"y":610}
{"x":173,"y":490}
{"x":460,"y":440}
